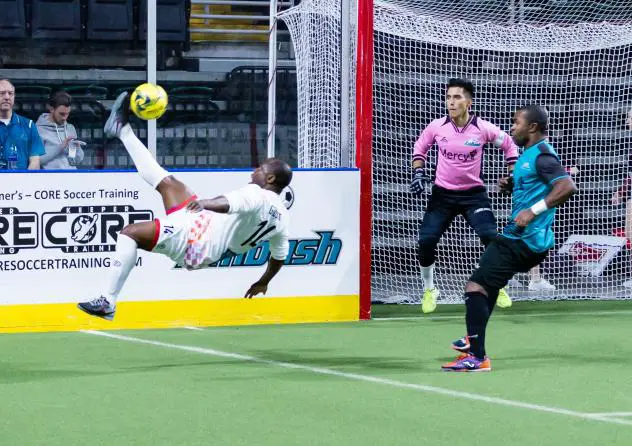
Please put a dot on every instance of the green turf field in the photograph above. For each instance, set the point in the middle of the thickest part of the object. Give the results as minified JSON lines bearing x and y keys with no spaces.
{"x":560,"y":371}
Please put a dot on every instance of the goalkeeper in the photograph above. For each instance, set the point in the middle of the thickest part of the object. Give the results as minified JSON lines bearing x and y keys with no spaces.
{"x":539,"y":185}
{"x":458,"y":189}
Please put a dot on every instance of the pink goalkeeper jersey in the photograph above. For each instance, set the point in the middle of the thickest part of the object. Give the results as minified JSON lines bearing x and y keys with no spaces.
{"x":460,"y":156}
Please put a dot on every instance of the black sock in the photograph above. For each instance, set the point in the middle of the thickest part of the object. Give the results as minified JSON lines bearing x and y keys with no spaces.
{"x":491,"y":301}
{"x":476,"y":317}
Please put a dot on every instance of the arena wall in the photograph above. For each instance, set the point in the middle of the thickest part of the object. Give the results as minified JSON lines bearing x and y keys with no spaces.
{"x":57,"y":236}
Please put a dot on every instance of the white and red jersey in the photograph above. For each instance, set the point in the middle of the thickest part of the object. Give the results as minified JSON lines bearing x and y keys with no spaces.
{"x":255,"y":215}
{"x":460,"y":158}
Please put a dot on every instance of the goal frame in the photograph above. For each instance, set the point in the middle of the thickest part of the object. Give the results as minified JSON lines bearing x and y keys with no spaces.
{"x":364,"y":145}
{"x":345,"y":46}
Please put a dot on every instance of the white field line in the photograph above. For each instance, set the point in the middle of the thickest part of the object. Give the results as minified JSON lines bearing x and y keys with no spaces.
{"x":612,"y":414}
{"x":365,"y":378}
{"x":193,"y":328}
{"x":501,"y":313}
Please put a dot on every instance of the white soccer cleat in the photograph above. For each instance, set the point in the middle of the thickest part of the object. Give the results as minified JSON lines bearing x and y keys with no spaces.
{"x":541,"y":285}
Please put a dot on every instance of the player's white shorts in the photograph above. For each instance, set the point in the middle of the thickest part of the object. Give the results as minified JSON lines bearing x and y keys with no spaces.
{"x":184,"y":236}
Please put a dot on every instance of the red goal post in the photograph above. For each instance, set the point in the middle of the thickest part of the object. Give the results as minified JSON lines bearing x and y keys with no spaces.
{"x":364,"y":146}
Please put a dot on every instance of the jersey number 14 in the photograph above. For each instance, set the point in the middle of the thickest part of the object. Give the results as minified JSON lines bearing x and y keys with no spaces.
{"x":258,"y":234}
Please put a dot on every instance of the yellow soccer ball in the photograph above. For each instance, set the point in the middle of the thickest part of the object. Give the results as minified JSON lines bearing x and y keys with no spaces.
{"x":149,"y":101}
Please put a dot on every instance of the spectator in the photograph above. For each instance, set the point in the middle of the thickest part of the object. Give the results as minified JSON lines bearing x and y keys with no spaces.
{"x":623,"y":195}
{"x":20,"y":144}
{"x":63,"y":150}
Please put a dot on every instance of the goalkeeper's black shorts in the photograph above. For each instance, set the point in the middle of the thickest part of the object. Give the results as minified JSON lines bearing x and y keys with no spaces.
{"x":501,"y":260}
{"x":444,"y":205}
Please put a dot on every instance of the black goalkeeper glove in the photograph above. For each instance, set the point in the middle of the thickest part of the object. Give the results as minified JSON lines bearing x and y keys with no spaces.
{"x":418,"y":184}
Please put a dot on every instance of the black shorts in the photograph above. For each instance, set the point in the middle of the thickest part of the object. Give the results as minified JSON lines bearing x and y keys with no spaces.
{"x":501,"y":260}
{"x":444,"y":205}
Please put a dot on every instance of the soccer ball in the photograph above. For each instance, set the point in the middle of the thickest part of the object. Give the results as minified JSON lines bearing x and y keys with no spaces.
{"x":149,"y":101}
{"x":287,"y":196}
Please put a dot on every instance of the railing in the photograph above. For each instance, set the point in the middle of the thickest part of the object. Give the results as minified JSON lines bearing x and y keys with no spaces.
{"x":210,"y":18}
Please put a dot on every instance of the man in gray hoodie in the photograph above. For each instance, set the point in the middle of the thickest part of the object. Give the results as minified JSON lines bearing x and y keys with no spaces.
{"x":63,"y":150}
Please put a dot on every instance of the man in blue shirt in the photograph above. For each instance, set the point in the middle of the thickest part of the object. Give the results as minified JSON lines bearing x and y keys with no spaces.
{"x":20,"y":143}
{"x":539,"y":184}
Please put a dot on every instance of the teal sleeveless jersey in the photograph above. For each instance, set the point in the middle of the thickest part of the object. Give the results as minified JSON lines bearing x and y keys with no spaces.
{"x":529,"y":188}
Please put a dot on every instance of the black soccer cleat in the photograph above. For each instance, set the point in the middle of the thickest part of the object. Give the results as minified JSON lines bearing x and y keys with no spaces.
{"x":99,"y":307}
{"x":119,"y":116}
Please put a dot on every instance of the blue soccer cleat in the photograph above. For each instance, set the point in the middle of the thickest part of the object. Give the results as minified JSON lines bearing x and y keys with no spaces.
{"x":461,"y":345}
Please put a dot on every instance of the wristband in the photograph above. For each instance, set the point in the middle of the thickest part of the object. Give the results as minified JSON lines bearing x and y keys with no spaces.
{"x":539,"y":207}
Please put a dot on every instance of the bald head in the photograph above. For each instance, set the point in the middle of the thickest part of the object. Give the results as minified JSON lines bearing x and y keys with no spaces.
{"x":273,"y":174}
{"x":7,"y":98}
{"x":280,"y":169}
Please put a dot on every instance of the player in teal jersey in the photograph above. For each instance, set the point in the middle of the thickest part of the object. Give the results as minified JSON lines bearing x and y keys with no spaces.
{"x":539,"y":184}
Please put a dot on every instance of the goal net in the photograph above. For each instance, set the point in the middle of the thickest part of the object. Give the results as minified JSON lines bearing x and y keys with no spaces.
{"x":572,"y":56}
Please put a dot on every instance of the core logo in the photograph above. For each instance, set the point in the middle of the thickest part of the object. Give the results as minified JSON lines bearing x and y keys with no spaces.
{"x":84,"y":228}
{"x":18,"y":230}
{"x":88,"y":228}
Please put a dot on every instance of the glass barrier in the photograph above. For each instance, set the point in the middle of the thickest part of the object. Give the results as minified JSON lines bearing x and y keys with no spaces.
{"x":216,"y":81}
{"x":218,"y":89}
{"x":68,"y":61}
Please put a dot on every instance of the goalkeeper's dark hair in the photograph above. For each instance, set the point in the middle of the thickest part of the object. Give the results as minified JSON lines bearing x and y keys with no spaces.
{"x":281,"y":170}
{"x":466,"y":85}
{"x":536,"y":114}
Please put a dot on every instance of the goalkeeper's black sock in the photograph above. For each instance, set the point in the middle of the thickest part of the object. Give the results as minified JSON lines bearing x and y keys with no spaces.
{"x":476,"y":317}
{"x":491,"y":301}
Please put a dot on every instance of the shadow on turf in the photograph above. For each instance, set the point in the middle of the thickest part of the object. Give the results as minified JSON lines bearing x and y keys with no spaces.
{"x":361,"y":362}
{"x":12,"y":374}
{"x":364,"y":363}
